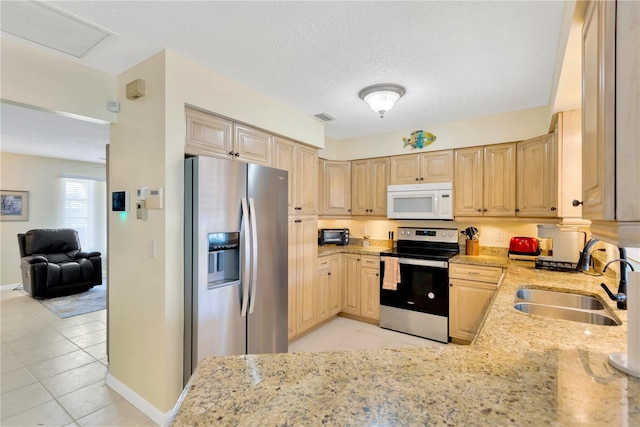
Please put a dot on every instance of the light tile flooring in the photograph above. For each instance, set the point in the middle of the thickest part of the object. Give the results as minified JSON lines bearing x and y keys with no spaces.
{"x":53,"y":370}
{"x":347,"y":334}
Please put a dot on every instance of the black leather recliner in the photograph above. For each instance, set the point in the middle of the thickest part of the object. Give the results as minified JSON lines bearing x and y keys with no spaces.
{"x":53,"y":263}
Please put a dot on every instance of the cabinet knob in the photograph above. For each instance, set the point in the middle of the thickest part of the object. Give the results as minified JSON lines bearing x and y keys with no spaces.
{"x":377,"y":275}
{"x":576,"y":202}
{"x":231,"y":153}
{"x":553,"y":208}
{"x":517,"y":209}
{"x":329,"y":274}
{"x":421,"y":179}
{"x":417,"y":179}
{"x":298,"y":220}
{"x":236,"y":154}
{"x":485,"y":210}
{"x":479,"y":210}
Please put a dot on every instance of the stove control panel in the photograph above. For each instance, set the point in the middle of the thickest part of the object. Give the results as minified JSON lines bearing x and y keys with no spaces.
{"x":441,"y":235}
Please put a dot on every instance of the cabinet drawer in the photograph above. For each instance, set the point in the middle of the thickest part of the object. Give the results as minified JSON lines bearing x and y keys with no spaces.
{"x":368,"y":261}
{"x":475,"y":272}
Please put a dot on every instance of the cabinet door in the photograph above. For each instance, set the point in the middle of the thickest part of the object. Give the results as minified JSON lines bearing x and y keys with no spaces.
{"x":285,"y":158}
{"x":207,"y":134}
{"x":404,"y":169}
{"x":468,"y":303}
{"x":293,"y":285}
{"x":499,"y":183}
{"x":379,"y":172}
{"x":324,"y":288}
{"x":467,"y":185}
{"x":351,"y":284}
{"x":360,"y":187}
{"x":598,"y":111}
{"x":252,"y":145}
{"x":436,"y":166}
{"x":335,"y":285}
{"x":307,"y":253}
{"x":537,"y":180}
{"x":307,"y":180}
{"x":337,"y":188}
{"x":370,"y":293}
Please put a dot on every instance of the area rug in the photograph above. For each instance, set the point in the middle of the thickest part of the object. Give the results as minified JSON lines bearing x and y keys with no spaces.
{"x":72,"y":305}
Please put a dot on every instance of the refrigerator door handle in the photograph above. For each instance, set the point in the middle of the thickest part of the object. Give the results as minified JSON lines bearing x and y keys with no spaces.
{"x":246,"y":256}
{"x":254,"y":254}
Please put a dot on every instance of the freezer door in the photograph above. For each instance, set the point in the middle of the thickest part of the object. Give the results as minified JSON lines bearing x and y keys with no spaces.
{"x":220,"y":328}
{"x":268,"y":311}
{"x":214,"y":324}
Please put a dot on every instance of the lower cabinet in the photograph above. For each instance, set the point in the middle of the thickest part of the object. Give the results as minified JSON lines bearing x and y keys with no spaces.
{"x":471,"y":289}
{"x":303,"y":273}
{"x":361,"y":295}
{"x":329,"y":286}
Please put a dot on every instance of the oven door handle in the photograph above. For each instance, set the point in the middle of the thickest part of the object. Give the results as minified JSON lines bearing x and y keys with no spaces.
{"x":421,"y":262}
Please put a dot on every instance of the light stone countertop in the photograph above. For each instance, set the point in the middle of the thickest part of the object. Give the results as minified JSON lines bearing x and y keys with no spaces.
{"x":520,"y":370}
{"x":350,"y":249}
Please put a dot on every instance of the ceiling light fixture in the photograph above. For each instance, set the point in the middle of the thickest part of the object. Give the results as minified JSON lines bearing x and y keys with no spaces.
{"x":382,"y":97}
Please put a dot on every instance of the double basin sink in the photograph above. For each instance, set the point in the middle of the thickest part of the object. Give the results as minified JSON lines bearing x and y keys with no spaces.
{"x":564,"y":305}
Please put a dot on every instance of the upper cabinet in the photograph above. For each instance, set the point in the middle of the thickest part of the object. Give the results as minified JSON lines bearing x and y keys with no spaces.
{"x":210,"y":135}
{"x":484,"y":181}
{"x":434,"y":166}
{"x":335,"y":186}
{"x":610,"y":125}
{"x":302,"y":164}
{"x":537,"y":177}
{"x":369,"y":186}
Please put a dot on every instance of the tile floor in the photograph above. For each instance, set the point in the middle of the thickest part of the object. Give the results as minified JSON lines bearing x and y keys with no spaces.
{"x":347,"y":334}
{"x":53,"y":370}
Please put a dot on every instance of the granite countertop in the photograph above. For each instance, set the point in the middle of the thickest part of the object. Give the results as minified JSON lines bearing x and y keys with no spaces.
{"x":350,"y":249}
{"x":520,"y":370}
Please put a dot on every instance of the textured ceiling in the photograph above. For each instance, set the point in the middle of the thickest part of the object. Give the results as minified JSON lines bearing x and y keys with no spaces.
{"x":457,"y":60}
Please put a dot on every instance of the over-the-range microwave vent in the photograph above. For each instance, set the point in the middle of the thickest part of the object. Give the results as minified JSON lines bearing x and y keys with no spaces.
{"x":324,"y":117}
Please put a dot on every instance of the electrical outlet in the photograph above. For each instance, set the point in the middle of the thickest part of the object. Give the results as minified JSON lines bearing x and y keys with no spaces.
{"x":364,"y":229}
{"x":500,"y":236}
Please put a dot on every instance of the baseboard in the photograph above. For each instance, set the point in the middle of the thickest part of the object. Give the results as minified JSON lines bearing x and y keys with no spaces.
{"x":138,"y":401}
{"x":10,"y":287}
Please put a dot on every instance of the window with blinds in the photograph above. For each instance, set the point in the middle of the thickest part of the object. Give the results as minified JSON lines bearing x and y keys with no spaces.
{"x":83,"y":208}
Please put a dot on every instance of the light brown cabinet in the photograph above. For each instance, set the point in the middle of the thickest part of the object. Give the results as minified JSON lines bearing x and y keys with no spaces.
{"x":303,"y":273}
{"x":537,"y":177}
{"x":302,"y":164}
{"x":471,"y":291}
{"x":610,"y":125}
{"x":369,"y":186}
{"x":329,"y":286}
{"x":361,"y":290}
{"x":434,"y":166}
{"x":485,"y":180}
{"x":335,"y":186}
{"x":211,"y":135}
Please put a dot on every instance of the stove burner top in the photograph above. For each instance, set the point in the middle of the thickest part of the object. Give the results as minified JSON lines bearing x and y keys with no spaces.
{"x":426,"y":243}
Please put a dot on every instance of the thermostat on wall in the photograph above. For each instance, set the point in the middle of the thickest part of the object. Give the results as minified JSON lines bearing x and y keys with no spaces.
{"x":154,"y":199}
{"x":120,"y":201}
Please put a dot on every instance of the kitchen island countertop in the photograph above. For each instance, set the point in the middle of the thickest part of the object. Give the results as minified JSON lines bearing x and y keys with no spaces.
{"x":520,"y":370}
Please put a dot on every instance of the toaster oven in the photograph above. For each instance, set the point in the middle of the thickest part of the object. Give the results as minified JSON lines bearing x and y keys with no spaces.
{"x":333,"y":236}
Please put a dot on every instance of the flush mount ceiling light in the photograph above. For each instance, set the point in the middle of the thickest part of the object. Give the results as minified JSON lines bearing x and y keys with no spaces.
{"x":382,"y":97}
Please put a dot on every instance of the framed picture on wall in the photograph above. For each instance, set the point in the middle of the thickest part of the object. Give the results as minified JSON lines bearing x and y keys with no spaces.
{"x":15,"y":205}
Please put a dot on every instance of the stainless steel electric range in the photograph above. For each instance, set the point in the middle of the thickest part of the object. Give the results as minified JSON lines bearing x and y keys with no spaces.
{"x":418,"y":302}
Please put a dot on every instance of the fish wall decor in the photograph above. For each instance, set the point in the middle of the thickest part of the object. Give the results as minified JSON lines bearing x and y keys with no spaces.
{"x":419,"y":139}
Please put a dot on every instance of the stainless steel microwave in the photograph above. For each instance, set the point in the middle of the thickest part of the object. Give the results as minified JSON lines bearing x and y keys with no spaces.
{"x":333,"y":236}
{"x":420,"y":201}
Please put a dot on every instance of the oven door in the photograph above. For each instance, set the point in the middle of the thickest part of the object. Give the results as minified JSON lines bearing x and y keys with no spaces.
{"x":423,"y":287}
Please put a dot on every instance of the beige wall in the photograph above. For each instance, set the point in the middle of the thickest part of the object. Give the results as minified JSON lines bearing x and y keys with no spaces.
{"x":507,"y":127}
{"x":40,"y":176}
{"x":38,"y":78}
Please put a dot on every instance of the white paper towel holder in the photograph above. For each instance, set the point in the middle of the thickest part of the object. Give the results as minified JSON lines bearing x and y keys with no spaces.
{"x":629,"y":362}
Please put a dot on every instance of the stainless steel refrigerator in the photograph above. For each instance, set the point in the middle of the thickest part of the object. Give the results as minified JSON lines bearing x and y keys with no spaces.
{"x":235,"y":250}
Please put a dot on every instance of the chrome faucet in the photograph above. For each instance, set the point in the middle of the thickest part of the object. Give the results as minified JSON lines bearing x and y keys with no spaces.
{"x":621,"y":296}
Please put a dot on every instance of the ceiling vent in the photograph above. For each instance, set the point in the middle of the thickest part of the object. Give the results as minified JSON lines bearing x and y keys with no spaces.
{"x":49,"y":27}
{"x":324,"y":117}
